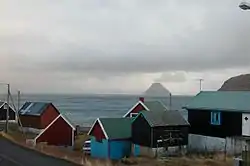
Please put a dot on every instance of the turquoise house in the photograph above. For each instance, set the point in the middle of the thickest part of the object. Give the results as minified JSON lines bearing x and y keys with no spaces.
{"x":111,"y":138}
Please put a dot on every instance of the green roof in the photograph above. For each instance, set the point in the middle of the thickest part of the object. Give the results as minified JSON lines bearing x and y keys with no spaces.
{"x":117,"y":128}
{"x":221,"y":101}
{"x":155,"y":105}
{"x":164,"y":118}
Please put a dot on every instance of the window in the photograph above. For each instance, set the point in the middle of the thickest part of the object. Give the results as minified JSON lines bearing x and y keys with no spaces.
{"x":133,"y":115}
{"x":215,"y":118}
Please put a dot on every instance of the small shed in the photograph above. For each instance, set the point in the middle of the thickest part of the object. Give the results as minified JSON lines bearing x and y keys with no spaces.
{"x":35,"y":116}
{"x":60,"y":132}
{"x":159,"y":129}
{"x":220,"y":113}
{"x":145,"y":105}
{"x":3,"y":111}
{"x":110,"y":138}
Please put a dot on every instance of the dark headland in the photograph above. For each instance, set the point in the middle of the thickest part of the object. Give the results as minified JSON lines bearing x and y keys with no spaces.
{"x":237,"y":83}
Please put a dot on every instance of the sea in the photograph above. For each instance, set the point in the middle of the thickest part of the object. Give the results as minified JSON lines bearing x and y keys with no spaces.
{"x":83,"y":110}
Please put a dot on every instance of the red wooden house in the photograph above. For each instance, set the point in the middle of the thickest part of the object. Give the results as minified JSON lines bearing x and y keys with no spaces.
{"x":59,"y":132}
{"x":35,"y":116}
{"x":145,"y":105}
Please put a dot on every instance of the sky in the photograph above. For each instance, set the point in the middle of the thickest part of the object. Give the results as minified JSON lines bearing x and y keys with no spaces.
{"x":122,"y":46}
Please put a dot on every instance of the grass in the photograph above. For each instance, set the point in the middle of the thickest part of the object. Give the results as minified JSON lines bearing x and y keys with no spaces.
{"x":80,"y":139}
{"x":78,"y":157}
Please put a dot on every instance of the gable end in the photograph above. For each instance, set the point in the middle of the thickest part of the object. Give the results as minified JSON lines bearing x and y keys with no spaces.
{"x":139,"y":106}
{"x":97,"y":130}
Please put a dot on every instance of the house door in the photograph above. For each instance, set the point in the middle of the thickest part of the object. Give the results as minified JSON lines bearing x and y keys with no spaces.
{"x":246,"y":124}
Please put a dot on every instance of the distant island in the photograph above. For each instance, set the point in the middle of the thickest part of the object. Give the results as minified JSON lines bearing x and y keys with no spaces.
{"x":157,"y":90}
{"x":237,"y":83}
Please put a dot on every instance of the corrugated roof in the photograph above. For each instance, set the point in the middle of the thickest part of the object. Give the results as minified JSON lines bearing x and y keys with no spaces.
{"x":164,"y":118}
{"x":33,"y":108}
{"x":117,"y":128}
{"x":221,"y":101}
{"x":155,"y":106}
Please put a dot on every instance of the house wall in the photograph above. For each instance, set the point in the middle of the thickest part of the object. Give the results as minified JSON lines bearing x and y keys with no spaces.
{"x":12,"y":114}
{"x":141,"y":132}
{"x":30,"y":121}
{"x":199,"y":143}
{"x":48,"y":116}
{"x":145,"y":151}
{"x":110,"y":149}
{"x":97,"y":132}
{"x":99,"y":149}
{"x":245,"y":124}
{"x":164,"y":133}
{"x":119,"y":149}
{"x":59,"y":134}
{"x":231,"y":124}
{"x":137,"y":109}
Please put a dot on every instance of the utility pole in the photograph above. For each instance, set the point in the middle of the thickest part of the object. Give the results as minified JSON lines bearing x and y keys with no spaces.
{"x":18,"y":101}
{"x":170,"y":101}
{"x":7,"y":111}
{"x":200,"y":80}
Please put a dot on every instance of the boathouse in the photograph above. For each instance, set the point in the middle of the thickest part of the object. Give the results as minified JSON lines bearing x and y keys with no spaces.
{"x":35,"y":116}
{"x":110,"y":138}
{"x":153,"y":129}
{"x":3,"y":111}
{"x":145,"y":105}
{"x":60,"y":132}
{"x":220,"y":113}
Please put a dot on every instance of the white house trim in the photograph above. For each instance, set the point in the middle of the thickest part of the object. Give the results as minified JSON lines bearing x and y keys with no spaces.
{"x":131,"y":115}
{"x":9,"y":106}
{"x":131,"y":109}
{"x":100,"y":123}
{"x":52,"y":124}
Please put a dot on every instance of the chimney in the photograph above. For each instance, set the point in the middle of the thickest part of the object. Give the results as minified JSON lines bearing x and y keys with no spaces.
{"x":141,"y":99}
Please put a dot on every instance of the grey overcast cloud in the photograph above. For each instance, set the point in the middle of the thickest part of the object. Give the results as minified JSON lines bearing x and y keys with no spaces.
{"x":122,"y":46}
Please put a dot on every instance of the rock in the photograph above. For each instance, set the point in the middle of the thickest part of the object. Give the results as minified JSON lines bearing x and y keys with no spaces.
{"x":157,"y":90}
{"x":237,"y":83}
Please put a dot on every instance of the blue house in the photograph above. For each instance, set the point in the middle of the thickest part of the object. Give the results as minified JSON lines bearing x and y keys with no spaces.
{"x":110,"y":138}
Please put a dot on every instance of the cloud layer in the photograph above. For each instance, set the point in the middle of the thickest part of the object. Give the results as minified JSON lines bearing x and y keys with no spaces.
{"x":117,"y":40}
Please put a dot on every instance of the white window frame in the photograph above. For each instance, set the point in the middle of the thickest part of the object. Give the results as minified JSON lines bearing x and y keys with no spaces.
{"x":131,"y":115}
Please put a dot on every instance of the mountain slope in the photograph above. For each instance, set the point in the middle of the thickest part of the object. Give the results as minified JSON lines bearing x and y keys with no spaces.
{"x":157,"y":90}
{"x":237,"y":83}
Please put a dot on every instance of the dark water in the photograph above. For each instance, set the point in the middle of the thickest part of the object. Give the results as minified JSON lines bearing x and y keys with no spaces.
{"x":84,"y":109}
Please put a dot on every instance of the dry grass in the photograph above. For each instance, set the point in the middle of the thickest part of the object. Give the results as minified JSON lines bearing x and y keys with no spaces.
{"x":80,"y":139}
{"x":175,"y":161}
{"x":198,"y":161}
{"x":78,"y":157}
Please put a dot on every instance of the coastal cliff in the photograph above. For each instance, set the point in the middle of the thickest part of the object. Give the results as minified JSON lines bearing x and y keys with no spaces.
{"x":237,"y":83}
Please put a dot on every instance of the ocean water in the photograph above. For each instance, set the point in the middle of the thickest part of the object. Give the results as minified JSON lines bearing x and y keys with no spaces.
{"x":84,"y":109}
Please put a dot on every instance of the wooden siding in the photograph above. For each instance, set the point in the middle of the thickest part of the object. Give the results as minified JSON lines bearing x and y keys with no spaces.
{"x":59,"y":134}
{"x":231,"y":124}
{"x":12,"y":114}
{"x":179,"y":135}
{"x":119,"y":149}
{"x":97,"y":132}
{"x":144,"y":135}
{"x":137,"y":109}
{"x":110,"y":149}
{"x":48,"y":115}
{"x":30,"y":121}
{"x":141,"y":132}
